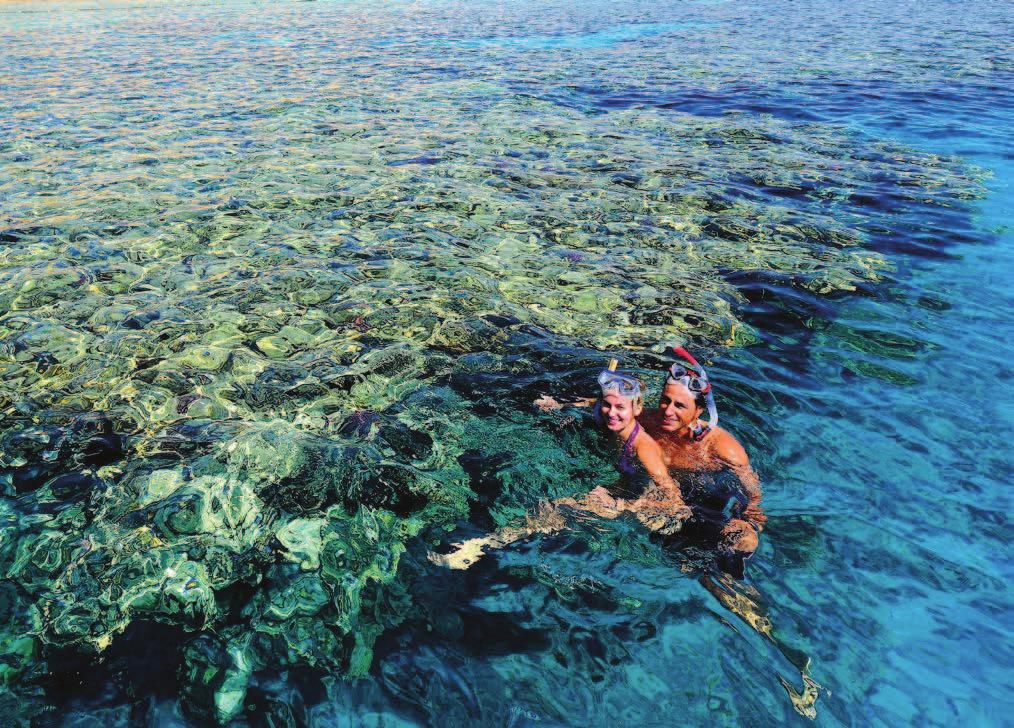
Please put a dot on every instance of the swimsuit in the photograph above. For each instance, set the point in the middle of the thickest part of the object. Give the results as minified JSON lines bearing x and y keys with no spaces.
{"x":634,"y":479}
{"x":627,"y":464}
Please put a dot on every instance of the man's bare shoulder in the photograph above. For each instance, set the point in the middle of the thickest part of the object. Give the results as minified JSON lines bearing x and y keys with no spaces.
{"x":726,"y":447}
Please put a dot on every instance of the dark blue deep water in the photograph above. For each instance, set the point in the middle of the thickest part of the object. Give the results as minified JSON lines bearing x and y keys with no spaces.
{"x":279,"y":283}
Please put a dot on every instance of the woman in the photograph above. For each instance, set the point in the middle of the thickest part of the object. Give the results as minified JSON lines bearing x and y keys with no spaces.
{"x":645,"y":483}
{"x":645,"y":488}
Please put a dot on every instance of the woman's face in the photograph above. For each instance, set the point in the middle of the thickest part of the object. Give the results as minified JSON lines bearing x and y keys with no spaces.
{"x":618,"y":412}
{"x":677,"y":407}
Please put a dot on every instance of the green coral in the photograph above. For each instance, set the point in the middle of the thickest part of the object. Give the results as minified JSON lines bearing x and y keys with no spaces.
{"x":304,"y":341}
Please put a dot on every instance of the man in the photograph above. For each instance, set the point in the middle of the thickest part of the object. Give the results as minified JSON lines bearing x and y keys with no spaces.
{"x":695,"y":452}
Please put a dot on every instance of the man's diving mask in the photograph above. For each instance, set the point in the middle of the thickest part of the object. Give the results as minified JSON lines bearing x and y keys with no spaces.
{"x":692,"y":376}
{"x":688,"y":377}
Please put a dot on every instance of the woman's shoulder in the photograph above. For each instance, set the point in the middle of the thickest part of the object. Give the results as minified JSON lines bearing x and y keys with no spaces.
{"x":650,"y":456}
{"x":646,"y":441}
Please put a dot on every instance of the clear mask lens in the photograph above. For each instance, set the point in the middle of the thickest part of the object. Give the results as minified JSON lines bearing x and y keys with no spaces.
{"x":620,"y":384}
{"x":688,"y":377}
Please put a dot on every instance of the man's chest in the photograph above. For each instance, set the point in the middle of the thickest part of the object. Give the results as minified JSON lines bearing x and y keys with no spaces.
{"x":690,"y":456}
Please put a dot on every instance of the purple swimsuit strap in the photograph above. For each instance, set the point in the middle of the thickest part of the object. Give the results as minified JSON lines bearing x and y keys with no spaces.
{"x":625,"y":464}
{"x":629,"y":444}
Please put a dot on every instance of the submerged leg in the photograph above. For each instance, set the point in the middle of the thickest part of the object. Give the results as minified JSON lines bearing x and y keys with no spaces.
{"x":803,"y":702}
{"x":548,"y":519}
{"x":723,"y":589}
{"x":732,"y":595}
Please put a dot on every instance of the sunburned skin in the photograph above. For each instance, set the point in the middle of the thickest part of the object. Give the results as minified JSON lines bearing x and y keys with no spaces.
{"x":672,"y":424}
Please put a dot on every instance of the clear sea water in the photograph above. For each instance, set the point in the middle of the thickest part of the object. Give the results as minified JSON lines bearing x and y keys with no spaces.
{"x":245,"y":245}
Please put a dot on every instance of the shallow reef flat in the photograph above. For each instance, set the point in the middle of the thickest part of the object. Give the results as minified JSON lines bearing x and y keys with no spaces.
{"x":278,"y":284}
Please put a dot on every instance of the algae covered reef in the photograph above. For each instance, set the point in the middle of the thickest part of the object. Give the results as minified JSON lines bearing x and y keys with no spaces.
{"x":249,"y":347}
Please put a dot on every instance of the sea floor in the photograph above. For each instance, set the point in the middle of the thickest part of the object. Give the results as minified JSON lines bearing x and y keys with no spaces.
{"x":280,"y":283}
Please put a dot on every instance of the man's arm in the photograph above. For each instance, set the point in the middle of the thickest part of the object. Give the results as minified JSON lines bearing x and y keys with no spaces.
{"x":731,"y":454}
{"x":662,"y":508}
{"x":650,"y":455}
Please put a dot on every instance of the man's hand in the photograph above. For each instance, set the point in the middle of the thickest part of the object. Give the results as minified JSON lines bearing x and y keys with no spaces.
{"x":755,"y":515}
{"x":664,"y":517}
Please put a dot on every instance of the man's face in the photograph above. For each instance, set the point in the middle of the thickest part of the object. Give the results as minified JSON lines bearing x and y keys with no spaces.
{"x":677,"y":407}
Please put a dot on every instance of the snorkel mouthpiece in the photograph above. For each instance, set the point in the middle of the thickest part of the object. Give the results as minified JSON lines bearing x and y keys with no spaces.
{"x":697,"y":384}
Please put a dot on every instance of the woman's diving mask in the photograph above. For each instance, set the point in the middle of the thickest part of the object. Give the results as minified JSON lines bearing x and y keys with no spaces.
{"x":613,"y":382}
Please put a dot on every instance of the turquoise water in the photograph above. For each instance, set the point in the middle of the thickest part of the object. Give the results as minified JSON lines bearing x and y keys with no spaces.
{"x":264,"y":264}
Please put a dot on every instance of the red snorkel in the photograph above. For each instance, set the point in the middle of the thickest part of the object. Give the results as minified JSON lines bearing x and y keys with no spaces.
{"x":699,"y":384}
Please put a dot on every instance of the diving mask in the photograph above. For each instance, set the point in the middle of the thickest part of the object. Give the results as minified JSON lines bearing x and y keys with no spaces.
{"x":614,"y":383}
{"x":693,"y":376}
{"x":693,"y":380}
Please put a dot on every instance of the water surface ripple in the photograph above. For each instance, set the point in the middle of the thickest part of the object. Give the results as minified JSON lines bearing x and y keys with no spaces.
{"x":279,"y":283}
